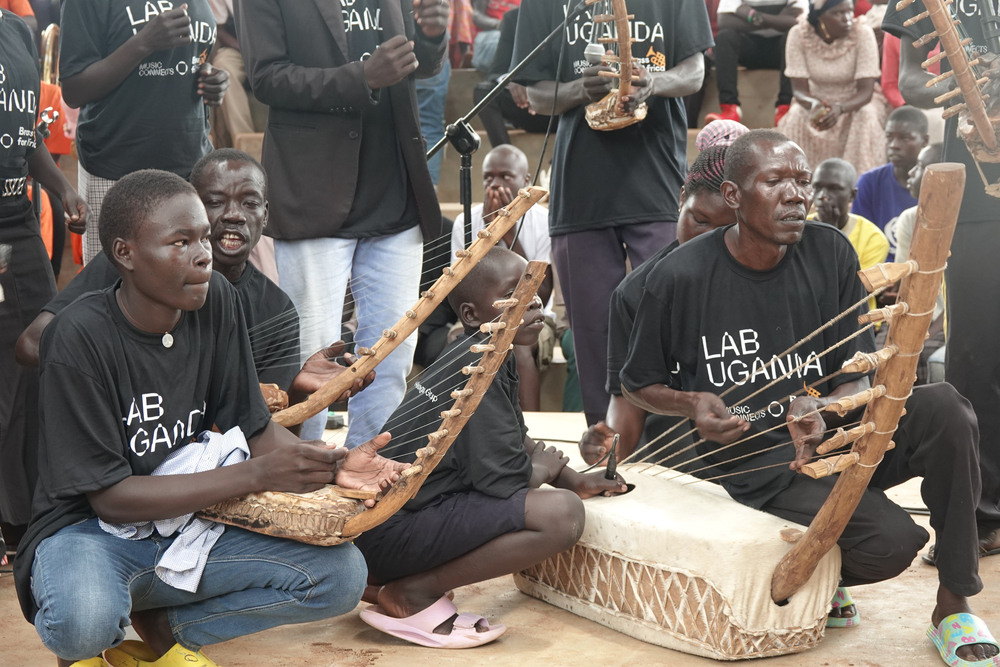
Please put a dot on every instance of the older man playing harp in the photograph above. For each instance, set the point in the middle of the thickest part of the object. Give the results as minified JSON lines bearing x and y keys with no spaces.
{"x":725,"y":306}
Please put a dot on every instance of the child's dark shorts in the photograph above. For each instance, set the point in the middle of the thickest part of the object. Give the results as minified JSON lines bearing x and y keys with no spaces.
{"x":449,"y":527}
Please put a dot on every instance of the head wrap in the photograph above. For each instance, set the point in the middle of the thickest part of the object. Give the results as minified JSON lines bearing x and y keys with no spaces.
{"x":719,"y":133}
{"x":818,"y":7}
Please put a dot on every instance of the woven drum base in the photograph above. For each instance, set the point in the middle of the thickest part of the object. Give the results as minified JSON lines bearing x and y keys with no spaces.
{"x":685,"y":567}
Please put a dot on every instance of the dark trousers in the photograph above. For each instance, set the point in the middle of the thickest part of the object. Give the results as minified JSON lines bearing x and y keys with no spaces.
{"x":938,"y":440}
{"x":503,"y":108}
{"x":733,"y":49}
{"x":972,"y":363}
{"x":590,"y":265}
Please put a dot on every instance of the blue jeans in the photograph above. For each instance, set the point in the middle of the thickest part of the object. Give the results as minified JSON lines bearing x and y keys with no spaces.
{"x":484,"y":50}
{"x":384,"y":273}
{"x":87,"y":582}
{"x":431,"y":96}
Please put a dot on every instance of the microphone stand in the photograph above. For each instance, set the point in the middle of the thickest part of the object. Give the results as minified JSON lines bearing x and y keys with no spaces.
{"x":466,"y":140}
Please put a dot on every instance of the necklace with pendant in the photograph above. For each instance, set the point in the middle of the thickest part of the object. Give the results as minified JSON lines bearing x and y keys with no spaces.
{"x":167,"y":340}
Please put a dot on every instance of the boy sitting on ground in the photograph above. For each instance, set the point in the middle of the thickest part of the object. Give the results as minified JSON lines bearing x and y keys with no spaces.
{"x":480,"y":514}
{"x":505,"y":171}
{"x":129,"y":376}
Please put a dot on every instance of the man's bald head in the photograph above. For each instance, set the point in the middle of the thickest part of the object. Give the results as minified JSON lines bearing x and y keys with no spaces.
{"x":743,"y":156}
{"x":509,"y":158}
{"x":837,"y":168}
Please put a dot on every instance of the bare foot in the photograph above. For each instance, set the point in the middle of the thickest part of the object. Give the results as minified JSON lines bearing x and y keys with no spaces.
{"x":153,"y":627}
{"x":399,"y":602}
{"x":847,"y":611}
{"x":989,"y":540}
{"x":947,"y":604}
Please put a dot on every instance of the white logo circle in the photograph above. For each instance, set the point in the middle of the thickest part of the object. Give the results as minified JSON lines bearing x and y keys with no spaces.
{"x":6,"y":141}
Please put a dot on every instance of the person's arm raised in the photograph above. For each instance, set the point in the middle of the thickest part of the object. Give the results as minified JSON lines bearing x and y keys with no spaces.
{"x":166,"y":31}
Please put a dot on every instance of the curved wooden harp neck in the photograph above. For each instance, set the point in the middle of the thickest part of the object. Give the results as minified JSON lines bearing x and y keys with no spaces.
{"x":895,"y":367}
{"x":466,"y":401}
{"x":369,"y":358}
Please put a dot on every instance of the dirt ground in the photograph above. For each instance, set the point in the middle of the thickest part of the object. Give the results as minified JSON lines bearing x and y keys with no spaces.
{"x":895,"y":615}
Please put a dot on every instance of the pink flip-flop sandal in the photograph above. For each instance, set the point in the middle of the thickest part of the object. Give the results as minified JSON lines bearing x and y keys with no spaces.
{"x":468,"y":630}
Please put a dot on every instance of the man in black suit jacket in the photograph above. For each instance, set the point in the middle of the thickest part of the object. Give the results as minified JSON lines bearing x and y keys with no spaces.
{"x":350,"y":193}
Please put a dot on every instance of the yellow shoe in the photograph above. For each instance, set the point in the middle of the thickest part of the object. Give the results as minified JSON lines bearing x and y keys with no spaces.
{"x":137,"y":654}
{"x":92,"y":662}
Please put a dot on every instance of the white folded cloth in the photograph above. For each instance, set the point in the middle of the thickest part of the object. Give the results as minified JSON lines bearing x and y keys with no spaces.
{"x":183,"y":563}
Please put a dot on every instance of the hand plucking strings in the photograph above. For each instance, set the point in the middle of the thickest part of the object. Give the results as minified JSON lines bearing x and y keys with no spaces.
{"x":270,"y":336}
{"x":779,"y":378}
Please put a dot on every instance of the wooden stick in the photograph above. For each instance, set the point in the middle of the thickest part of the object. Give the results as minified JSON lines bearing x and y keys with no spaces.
{"x":455,"y":418}
{"x":842,"y":438}
{"x":884,"y":314}
{"x":865,"y":362}
{"x":882,"y":275}
{"x":614,"y":75}
{"x":845,"y":404}
{"x":830,"y":466}
{"x":430,"y":300}
{"x":937,"y":213}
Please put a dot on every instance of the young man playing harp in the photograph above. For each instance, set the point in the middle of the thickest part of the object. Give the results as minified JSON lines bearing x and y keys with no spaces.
{"x":131,"y":377}
{"x":725,"y":305}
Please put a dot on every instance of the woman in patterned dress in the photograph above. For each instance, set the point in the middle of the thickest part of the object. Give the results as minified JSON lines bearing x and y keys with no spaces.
{"x":833,"y":63}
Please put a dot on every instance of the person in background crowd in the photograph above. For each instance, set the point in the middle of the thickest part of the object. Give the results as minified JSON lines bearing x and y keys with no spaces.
{"x":904,"y":234}
{"x":833,"y":191}
{"x":882,"y":192}
{"x":511,"y":106}
{"x":23,"y":9}
{"x":505,"y":171}
{"x":752,"y":34}
{"x":615,"y":195}
{"x":143,"y":89}
{"x":351,"y":197}
{"x":235,"y":110}
{"x":26,"y":279}
{"x":235,"y":107}
{"x":487,"y":16}
{"x":833,"y":63}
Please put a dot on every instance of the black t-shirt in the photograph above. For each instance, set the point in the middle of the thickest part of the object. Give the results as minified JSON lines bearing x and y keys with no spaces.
{"x":724,"y":323}
{"x":488,"y":456}
{"x":19,"y":90}
{"x":270,"y":316}
{"x":624,"y":304}
{"x":115,"y":403}
{"x":505,"y":45}
{"x":628,"y":176}
{"x":154,"y":119}
{"x":384,"y":202}
{"x":977,"y":206}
